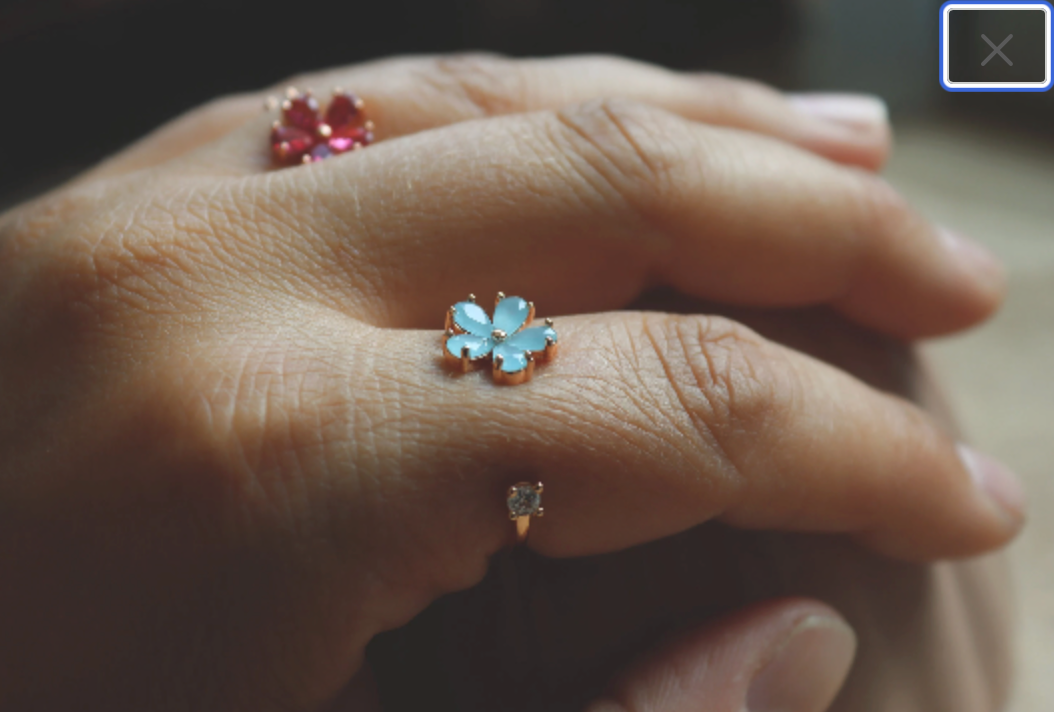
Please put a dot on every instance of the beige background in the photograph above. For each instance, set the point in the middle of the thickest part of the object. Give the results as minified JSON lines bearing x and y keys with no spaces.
{"x":1000,"y":377}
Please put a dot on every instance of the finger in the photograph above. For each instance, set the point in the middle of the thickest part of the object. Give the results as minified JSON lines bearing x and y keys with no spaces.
{"x":779,"y":656}
{"x":411,"y":94}
{"x":360,"y":694}
{"x":181,"y":135}
{"x":592,"y":204}
{"x":650,"y":424}
{"x":408,"y":95}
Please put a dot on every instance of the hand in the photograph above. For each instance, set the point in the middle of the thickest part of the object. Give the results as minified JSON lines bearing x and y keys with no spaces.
{"x":229,"y":459}
{"x":561,"y":630}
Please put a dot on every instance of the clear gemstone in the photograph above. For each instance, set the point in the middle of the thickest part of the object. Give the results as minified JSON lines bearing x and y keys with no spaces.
{"x":524,"y":501}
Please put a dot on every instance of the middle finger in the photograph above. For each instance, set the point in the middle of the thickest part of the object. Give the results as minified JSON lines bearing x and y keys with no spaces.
{"x":592,"y":204}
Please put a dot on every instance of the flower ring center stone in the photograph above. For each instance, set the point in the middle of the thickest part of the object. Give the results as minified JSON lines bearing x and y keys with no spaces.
{"x":498,"y":335}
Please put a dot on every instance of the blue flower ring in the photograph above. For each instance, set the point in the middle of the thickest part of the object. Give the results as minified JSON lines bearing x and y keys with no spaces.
{"x":472,"y":336}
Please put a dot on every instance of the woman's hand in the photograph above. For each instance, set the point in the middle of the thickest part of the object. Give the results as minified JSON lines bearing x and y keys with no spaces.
{"x":229,"y":459}
{"x":562,"y":630}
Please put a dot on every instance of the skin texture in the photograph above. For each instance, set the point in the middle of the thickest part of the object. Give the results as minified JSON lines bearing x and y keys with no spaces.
{"x":232,"y":454}
{"x":932,"y":637}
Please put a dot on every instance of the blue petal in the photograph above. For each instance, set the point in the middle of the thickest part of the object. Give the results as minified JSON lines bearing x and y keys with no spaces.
{"x":472,"y":318}
{"x":514,"y":359}
{"x":532,"y":339}
{"x":511,"y":314}
{"x":478,"y":346}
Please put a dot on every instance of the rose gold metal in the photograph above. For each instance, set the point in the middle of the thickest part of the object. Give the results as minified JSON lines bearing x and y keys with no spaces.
{"x":360,"y":104}
{"x":465,"y":362}
{"x":306,"y":159}
{"x":497,"y":299}
{"x":523,"y":527}
{"x":291,"y":92}
{"x":287,"y":105}
{"x":369,"y":124}
{"x":324,"y":130}
{"x":549,"y":323}
{"x":550,"y":348}
{"x":530,"y":316}
{"x":472,"y":298}
{"x":338,"y":91}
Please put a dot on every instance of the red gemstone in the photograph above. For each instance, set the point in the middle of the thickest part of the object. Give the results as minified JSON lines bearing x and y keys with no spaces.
{"x":343,"y":110}
{"x":301,"y":112}
{"x":345,"y":138}
{"x":290,"y":143}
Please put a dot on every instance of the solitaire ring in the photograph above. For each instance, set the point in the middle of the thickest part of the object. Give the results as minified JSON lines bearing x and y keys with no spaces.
{"x":525,"y":501}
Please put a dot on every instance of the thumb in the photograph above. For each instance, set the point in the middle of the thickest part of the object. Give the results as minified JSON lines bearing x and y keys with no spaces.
{"x":779,"y":656}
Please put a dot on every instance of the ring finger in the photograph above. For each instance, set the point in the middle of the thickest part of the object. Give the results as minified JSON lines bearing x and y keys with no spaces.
{"x":406,"y":95}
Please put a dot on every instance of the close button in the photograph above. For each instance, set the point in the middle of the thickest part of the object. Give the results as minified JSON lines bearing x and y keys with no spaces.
{"x":988,"y":46}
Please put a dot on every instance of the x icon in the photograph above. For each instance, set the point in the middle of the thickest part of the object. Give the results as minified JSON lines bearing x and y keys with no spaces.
{"x":997,"y":50}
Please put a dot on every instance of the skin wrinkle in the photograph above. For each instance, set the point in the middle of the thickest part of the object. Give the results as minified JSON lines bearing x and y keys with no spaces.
{"x":625,"y":173}
{"x":488,"y":84}
{"x":653,"y":392}
{"x":717,"y":388}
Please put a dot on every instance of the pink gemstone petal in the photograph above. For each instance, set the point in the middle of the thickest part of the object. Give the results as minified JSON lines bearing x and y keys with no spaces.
{"x":345,"y":139}
{"x":343,"y":110}
{"x":290,"y":143}
{"x":302,"y":112}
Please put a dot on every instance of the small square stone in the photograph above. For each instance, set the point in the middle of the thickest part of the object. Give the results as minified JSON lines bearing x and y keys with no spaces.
{"x":524,"y":501}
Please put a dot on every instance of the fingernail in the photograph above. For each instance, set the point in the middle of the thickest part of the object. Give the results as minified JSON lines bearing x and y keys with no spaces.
{"x":973,"y":256}
{"x":807,"y":670}
{"x":858,"y":111}
{"x":1001,"y":486}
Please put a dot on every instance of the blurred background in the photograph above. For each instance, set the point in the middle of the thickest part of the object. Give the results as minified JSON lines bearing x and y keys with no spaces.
{"x":84,"y":77}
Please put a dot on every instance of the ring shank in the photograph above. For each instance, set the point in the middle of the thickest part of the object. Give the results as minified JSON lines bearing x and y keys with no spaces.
{"x":522,"y":525}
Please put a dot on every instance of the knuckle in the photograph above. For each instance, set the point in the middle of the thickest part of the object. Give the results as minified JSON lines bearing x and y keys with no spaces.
{"x":720,"y":373}
{"x":879,"y":210}
{"x":483,"y":84}
{"x":629,"y":147}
